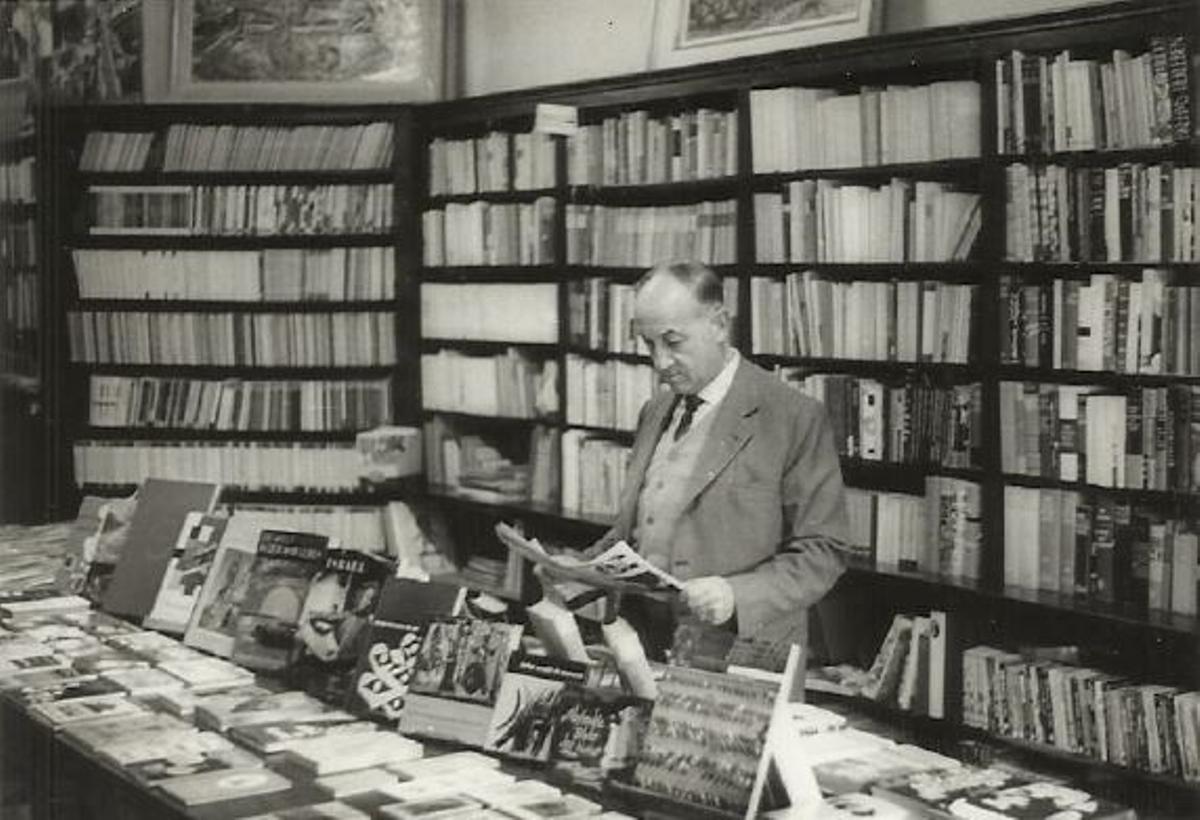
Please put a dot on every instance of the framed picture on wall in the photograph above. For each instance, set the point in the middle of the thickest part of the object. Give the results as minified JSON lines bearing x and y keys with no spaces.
{"x":307,"y":50}
{"x":695,"y":31}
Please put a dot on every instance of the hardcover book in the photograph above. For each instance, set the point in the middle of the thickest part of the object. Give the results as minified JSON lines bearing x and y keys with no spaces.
{"x":162,"y":507}
{"x":193,"y":556}
{"x":464,"y":659}
{"x":277,"y":735}
{"x":142,"y":681}
{"x":213,"y":625}
{"x":346,"y":752}
{"x":529,"y":704}
{"x":220,"y":786}
{"x":63,"y":712}
{"x":205,"y":675}
{"x":269,"y":610}
{"x":598,"y":733}
{"x":253,"y":705}
{"x":395,"y":633}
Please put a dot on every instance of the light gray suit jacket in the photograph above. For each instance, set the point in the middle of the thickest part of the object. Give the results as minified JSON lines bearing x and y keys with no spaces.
{"x":766,"y":506}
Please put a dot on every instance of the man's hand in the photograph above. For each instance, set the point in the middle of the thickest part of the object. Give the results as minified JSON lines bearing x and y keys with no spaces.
{"x":710,"y":599}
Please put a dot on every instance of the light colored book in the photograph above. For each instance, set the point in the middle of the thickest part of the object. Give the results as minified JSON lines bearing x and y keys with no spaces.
{"x":444,"y":764}
{"x":342,"y":753}
{"x":64,"y":712}
{"x":143,"y":681}
{"x":219,"y":786}
{"x":357,"y":782}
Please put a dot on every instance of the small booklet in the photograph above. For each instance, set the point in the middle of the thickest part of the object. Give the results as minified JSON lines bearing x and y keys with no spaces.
{"x":618,"y":568}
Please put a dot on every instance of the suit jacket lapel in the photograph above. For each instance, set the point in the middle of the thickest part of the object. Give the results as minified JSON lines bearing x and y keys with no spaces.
{"x":731,"y":429}
{"x":657,"y":417}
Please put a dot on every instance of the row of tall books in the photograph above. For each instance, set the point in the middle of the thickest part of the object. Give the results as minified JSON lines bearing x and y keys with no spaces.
{"x":204,"y":210}
{"x":277,"y":148}
{"x":827,"y":221}
{"x":496,"y":161}
{"x":490,"y":312}
{"x":1080,"y":709}
{"x":1104,"y":322}
{"x":513,"y":384}
{"x":1098,"y":548}
{"x":236,"y":404}
{"x":21,"y":299}
{"x":600,"y":314}
{"x":490,"y":233}
{"x":798,"y":129}
{"x":1124,"y":213}
{"x":1050,"y":103}
{"x":17,"y":180}
{"x":283,"y":274}
{"x":1132,"y":438}
{"x":328,"y":466}
{"x":635,"y":148}
{"x":264,"y":339}
{"x":116,"y":150}
{"x":593,"y":473}
{"x":641,"y":236}
{"x":805,"y":315}
{"x":607,"y":394}
{"x":905,"y":422}
{"x":18,"y":242}
{"x":938,"y":533}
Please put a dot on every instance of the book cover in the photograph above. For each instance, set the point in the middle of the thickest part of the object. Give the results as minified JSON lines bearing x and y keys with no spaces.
{"x":162,"y":507}
{"x":193,"y":556}
{"x":529,"y":704}
{"x":431,"y":808}
{"x":1036,"y":801}
{"x":332,"y":626}
{"x":598,"y":733}
{"x":277,"y":735}
{"x":63,"y":712}
{"x":269,"y":611}
{"x":198,"y":753}
{"x":395,"y":632}
{"x":219,"y":786}
{"x":931,"y":793}
{"x":345,"y":752}
{"x":330,"y":810}
{"x":205,"y":675}
{"x":214,"y":618}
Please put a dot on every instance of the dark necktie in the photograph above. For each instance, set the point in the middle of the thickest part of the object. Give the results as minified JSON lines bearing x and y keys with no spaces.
{"x":690,"y":404}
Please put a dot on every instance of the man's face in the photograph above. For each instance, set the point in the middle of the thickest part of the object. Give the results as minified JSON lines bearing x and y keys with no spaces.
{"x":688,"y":340}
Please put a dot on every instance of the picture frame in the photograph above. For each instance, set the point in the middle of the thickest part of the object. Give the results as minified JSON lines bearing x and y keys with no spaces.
{"x":305,"y":51}
{"x":697,"y":31}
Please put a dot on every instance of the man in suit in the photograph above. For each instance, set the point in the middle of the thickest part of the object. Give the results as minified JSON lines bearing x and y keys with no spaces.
{"x":734,"y":484}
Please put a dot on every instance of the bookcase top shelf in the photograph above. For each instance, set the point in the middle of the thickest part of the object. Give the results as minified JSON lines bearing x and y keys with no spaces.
{"x":213,"y":435}
{"x":228,"y":242}
{"x":248,"y":371}
{"x":1010,"y":372}
{"x":180,"y":305}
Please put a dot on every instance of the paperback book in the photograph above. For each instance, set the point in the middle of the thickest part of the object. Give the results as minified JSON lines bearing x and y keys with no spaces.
{"x":197,"y":753}
{"x":213,"y":624}
{"x":598,"y":733}
{"x":269,"y":610}
{"x":464,"y":659}
{"x":253,"y":705}
{"x":193,"y":556}
{"x":278,"y":735}
{"x":530,"y":702}
{"x":346,"y":752}
{"x":223,"y":785}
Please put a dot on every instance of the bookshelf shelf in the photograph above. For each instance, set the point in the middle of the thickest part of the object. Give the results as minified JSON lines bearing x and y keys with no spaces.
{"x":1114,"y":612}
{"x":370,"y":176}
{"x":1179,"y":498}
{"x":483,"y":346}
{"x":958,"y":170}
{"x":220,"y":371}
{"x":552,"y":513}
{"x":1070,"y":269}
{"x":231,"y":242}
{"x":496,"y":418}
{"x":608,"y":432}
{"x":494,"y":273}
{"x":1010,"y":372}
{"x":891,"y":473}
{"x":967,"y":273}
{"x":1180,"y":152}
{"x":630,"y":274}
{"x":297,"y":496}
{"x":872,"y":367}
{"x":605,"y":355}
{"x":523,"y":195}
{"x":207,"y":434}
{"x":674,"y":193}
{"x":232,"y":306}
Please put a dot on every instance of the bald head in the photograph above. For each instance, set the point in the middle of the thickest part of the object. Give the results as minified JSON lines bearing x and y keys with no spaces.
{"x":687,"y":332}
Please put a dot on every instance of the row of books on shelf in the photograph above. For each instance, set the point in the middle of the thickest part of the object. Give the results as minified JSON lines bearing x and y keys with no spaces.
{"x":1104,"y":322}
{"x":805,"y":315}
{"x":235,"y":404}
{"x":1144,"y":438}
{"x":276,"y":274}
{"x":938,"y":533}
{"x":17,"y":180}
{"x":1123,"y":213}
{"x":827,"y":221}
{"x":489,"y":467}
{"x":259,"y":339}
{"x":121,"y":151}
{"x":636,"y":148}
{"x":607,"y":394}
{"x":600,"y":314}
{"x":1099,"y":549}
{"x":275,"y":148}
{"x":798,"y":129}
{"x":513,"y":384}
{"x":261,"y":210}
{"x":490,"y":233}
{"x":496,"y":161}
{"x":641,"y":236}
{"x":1083,"y":710}
{"x":21,"y":299}
{"x":325,"y":466}
{"x":593,"y":473}
{"x":901,"y":422}
{"x":18,"y":242}
{"x":1047,"y":103}
{"x":492,"y":311}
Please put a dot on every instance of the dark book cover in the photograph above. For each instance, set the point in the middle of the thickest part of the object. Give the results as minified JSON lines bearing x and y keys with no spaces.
{"x":1102,"y":558}
{"x":283,"y":566}
{"x":598,"y":733}
{"x":333,"y":623}
{"x":388,"y":656}
{"x":162,"y":507}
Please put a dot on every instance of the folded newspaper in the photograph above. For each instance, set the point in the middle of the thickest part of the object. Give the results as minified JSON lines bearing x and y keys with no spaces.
{"x":619,"y":567}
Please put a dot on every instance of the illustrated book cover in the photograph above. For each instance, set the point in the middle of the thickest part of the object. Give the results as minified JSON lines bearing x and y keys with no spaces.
{"x":193,"y":556}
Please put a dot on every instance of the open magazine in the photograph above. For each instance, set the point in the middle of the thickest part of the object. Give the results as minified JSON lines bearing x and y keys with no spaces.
{"x":618,"y":568}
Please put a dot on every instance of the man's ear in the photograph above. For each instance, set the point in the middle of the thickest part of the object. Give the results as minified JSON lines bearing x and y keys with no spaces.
{"x":722,"y":321}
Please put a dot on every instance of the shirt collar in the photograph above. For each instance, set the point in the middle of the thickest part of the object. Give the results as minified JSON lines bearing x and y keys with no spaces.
{"x":715,"y":390}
